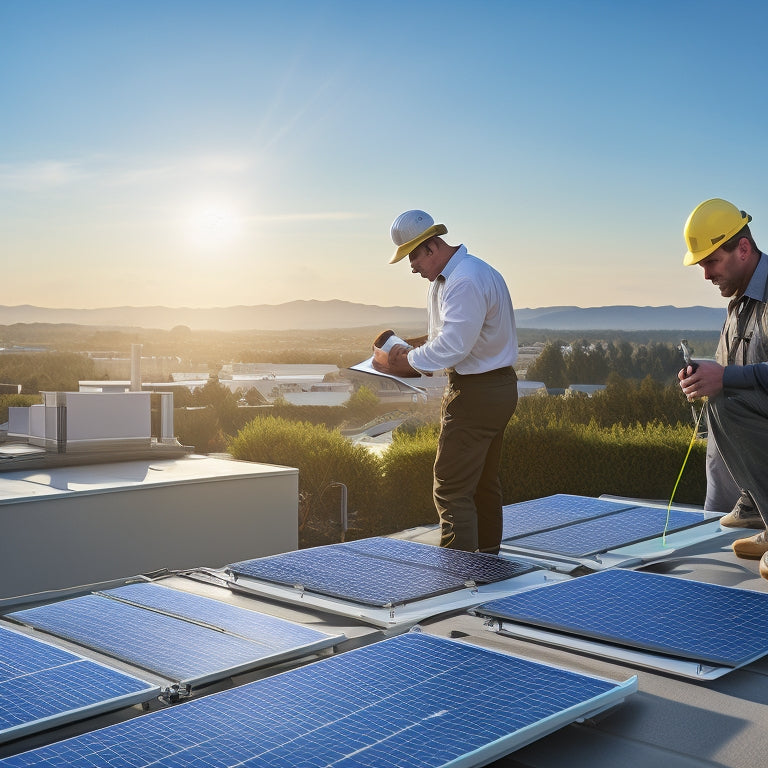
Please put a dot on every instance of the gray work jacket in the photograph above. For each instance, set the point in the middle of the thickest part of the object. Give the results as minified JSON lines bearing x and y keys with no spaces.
{"x":743,"y":345}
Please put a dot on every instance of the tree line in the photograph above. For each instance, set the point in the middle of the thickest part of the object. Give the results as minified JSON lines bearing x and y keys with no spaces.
{"x":586,"y":362}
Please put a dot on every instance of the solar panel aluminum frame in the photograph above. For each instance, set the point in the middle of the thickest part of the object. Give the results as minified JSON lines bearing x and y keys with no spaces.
{"x":264,"y":662}
{"x":634,"y":625}
{"x":326,"y":642}
{"x":76,"y":714}
{"x":142,"y":733}
{"x":191,"y":680}
{"x":525,"y":736}
{"x":633,"y":555}
{"x":400,"y":616}
{"x":682,"y":667}
{"x":544,"y":506}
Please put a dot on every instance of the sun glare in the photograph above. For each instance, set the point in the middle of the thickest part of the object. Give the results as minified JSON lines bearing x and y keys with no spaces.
{"x":211,"y":227}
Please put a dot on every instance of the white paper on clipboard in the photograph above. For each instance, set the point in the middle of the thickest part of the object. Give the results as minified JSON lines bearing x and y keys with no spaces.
{"x":367,"y":367}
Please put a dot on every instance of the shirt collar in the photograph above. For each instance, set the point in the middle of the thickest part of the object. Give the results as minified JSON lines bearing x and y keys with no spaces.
{"x":756,"y":287}
{"x":453,"y":262}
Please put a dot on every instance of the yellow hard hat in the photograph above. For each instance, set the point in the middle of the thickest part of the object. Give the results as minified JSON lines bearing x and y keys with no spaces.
{"x":711,"y":224}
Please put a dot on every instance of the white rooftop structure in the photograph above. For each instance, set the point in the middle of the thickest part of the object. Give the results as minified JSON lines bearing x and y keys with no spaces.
{"x":88,"y":421}
{"x":71,"y":525}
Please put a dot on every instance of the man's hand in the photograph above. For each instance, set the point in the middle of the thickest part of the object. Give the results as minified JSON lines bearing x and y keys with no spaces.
{"x":706,"y":380}
{"x":396,"y":363}
{"x":418,"y":341}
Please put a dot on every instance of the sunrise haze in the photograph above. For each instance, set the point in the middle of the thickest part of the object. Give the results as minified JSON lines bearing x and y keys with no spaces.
{"x":210,"y":154}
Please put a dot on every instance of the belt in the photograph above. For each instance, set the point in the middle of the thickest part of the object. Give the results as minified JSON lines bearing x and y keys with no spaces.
{"x":506,"y":370}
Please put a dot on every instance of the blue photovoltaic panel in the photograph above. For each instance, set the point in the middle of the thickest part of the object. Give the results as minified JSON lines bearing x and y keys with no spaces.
{"x":343,"y":573}
{"x":176,"y":649}
{"x":610,"y":532}
{"x":364,"y":573}
{"x":707,"y":623}
{"x":42,"y":685}
{"x":535,"y":515}
{"x":412,"y":701}
{"x":469,"y":566}
{"x":268,"y":631}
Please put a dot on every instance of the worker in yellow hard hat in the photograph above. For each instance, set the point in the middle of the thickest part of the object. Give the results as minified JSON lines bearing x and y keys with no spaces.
{"x":471,"y":335}
{"x":719,"y":240}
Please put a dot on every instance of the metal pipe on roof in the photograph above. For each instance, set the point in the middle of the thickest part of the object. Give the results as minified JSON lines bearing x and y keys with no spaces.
{"x":136,"y":367}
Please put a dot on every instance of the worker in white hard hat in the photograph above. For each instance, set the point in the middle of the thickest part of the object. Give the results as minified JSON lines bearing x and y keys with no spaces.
{"x":719,"y":240}
{"x":471,"y":335}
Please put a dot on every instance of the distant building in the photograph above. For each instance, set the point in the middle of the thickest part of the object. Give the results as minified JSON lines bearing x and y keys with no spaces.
{"x":300,"y":383}
{"x":525,"y":388}
{"x":115,"y":366}
{"x":17,"y":350}
{"x":584,"y":389}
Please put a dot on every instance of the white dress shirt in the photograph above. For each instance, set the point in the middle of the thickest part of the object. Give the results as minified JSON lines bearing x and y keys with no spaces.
{"x":471,"y":321}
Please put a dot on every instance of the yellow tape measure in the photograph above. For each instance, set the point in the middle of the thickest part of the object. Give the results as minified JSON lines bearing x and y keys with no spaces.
{"x":677,"y":482}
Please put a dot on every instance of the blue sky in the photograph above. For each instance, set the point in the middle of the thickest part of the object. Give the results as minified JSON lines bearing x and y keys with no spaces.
{"x":223,"y":152}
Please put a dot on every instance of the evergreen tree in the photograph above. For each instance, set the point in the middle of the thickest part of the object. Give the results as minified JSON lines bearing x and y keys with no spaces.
{"x":549,"y":367}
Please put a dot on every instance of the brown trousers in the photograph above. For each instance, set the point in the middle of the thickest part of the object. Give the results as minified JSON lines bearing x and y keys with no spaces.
{"x":467,"y":489}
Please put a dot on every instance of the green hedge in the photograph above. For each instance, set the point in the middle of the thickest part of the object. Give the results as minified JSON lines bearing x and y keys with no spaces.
{"x":394,"y":492}
{"x":322,"y":457}
{"x":641,"y":461}
{"x":406,"y":480}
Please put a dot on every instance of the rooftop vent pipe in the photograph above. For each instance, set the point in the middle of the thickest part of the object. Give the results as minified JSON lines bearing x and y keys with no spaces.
{"x":136,"y":367}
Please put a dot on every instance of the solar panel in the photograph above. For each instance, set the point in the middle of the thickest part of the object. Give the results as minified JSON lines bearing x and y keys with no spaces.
{"x":602,"y":534}
{"x":687,"y":619}
{"x":174,"y":648}
{"x":535,"y":515}
{"x":268,"y":631}
{"x":469,"y":566}
{"x":42,"y":686}
{"x":412,"y":701}
{"x":379,"y":572}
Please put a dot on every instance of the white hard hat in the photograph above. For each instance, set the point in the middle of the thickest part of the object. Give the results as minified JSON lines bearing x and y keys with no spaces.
{"x":411,"y":229}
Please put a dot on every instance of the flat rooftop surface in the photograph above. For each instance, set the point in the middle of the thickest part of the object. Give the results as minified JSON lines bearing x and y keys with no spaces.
{"x":21,"y":484}
{"x":671,"y":722}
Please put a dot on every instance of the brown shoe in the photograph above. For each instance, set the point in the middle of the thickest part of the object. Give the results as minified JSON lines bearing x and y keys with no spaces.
{"x":743,"y":515}
{"x":754,"y":547}
{"x":764,"y":566}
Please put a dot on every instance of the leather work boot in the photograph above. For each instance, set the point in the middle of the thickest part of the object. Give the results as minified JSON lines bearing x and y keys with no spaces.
{"x":743,"y":515}
{"x":752,"y":548}
{"x":764,"y":566}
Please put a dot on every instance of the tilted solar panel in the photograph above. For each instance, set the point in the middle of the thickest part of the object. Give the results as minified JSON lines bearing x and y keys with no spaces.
{"x":268,"y":631}
{"x":469,"y":566}
{"x":602,"y":534}
{"x":42,"y":686}
{"x":176,"y":649}
{"x":412,"y":701}
{"x":687,"y":619}
{"x":346,"y":574}
{"x":378,"y":572}
{"x":535,"y":515}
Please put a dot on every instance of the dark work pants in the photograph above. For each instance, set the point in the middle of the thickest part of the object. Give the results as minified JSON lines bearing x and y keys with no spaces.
{"x":739,"y":424}
{"x":467,"y":489}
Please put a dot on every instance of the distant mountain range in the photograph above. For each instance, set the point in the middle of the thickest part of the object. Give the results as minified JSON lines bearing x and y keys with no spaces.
{"x":304,"y":315}
{"x":623,"y":318}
